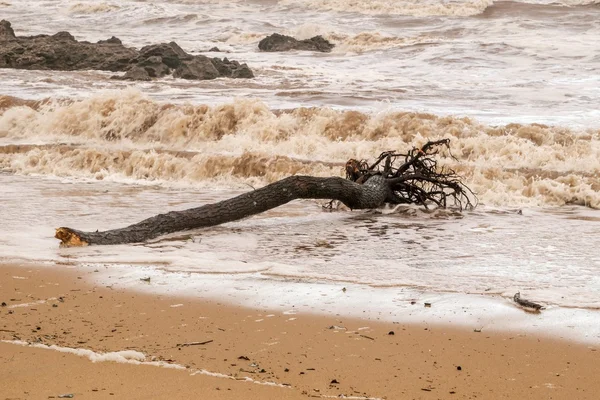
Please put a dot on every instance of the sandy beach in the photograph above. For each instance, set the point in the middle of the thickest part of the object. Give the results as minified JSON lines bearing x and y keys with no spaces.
{"x":255,"y":353}
{"x":293,"y":199}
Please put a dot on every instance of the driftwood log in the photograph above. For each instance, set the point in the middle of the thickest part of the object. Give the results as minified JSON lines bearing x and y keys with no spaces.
{"x":417,"y":180}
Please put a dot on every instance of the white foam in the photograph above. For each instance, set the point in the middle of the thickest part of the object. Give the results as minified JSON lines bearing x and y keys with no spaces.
{"x":124,"y":357}
{"x":34,"y":303}
{"x":142,"y":141}
{"x":401,"y":7}
{"x":133,"y":357}
{"x":90,"y":8}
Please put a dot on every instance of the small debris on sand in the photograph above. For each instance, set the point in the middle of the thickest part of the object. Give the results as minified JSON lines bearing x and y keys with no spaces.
{"x":529,"y":305}
{"x":194,"y":343}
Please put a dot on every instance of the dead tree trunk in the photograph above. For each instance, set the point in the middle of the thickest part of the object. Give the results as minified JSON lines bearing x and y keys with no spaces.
{"x":354,"y":195}
{"x":366,"y":188}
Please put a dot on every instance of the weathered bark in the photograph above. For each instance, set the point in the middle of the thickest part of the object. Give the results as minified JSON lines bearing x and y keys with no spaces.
{"x":356,"y":196}
{"x":416,"y":181}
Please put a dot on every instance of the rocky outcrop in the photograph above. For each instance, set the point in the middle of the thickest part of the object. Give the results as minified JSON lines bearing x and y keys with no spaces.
{"x":135,"y":73}
{"x":172,"y":55}
{"x":61,"y":52}
{"x":200,"y":67}
{"x":277,"y":42}
{"x":6,"y":32}
{"x":232,"y":68}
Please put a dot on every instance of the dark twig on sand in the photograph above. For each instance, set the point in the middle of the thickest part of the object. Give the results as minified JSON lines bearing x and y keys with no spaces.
{"x":526,"y":303}
{"x":194,"y":343}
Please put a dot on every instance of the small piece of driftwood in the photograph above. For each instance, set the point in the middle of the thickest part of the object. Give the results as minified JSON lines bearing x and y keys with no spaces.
{"x":194,"y":343}
{"x":526,"y":303}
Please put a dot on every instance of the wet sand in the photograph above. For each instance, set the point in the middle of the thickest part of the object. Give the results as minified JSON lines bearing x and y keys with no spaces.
{"x":304,"y":355}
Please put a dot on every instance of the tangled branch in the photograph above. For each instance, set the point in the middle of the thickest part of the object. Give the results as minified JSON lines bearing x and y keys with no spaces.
{"x":415,"y":177}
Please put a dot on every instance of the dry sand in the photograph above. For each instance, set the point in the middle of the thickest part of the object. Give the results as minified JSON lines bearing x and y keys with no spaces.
{"x":304,"y":354}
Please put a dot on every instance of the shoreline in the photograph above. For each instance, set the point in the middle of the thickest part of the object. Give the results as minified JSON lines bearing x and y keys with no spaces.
{"x":49,"y":306}
{"x":491,"y":312}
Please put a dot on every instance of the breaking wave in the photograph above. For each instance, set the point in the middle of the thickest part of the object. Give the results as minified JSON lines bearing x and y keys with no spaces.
{"x":417,"y":8}
{"x":564,"y":2}
{"x":178,"y":19}
{"x":363,"y":41}
{"x":344,"y":42}
{"x":92,"y":8}
{"x":370,"y":41}
{"x":126,"y":136}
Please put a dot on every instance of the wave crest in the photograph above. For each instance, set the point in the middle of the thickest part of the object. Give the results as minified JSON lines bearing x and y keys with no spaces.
{"x":92,"y":8}
{"x":120,"y":135}
{"x":416,"y":8}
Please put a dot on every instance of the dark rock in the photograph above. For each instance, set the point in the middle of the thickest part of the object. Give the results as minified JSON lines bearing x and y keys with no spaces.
{"x":214,"y":49}
{"x":6,"y":31}
{"x":391,"y":333}
{"x":319,"y":43}
{"x":112,"y":40}
{"x":459,"y":368}
{"x":171,"y":53}
{"x":277,"y":42}
{"x":155,"y":67}
{"x":334,"y":382}
{"x":232,"y":69}
{"x":61,"y":52}
{"x":136,"y":73}
{"x":64,"y":36}
{"x":199,"y":68}
{"x":243,"y":71}
{"x":223,"y":66}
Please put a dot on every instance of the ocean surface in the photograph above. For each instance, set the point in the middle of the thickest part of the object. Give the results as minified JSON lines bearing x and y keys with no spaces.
{"x":514,"y":85}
